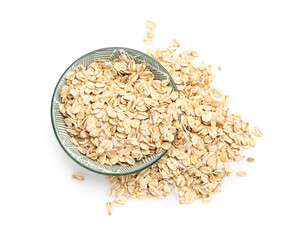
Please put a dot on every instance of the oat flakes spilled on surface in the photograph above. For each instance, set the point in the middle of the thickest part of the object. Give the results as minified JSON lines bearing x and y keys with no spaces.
{"x":150,"y":31}
{"x":78,"y":176}
{"x":110,"y":207}
{"x":206,"y":200}
{"x":257,"y":132}
{"x":117,"y":113}
{"x":241,"y":174}
{"x":210,"y":136}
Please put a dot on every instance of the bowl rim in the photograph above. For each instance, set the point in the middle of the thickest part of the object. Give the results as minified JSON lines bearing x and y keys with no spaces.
{"x":53,"y":121}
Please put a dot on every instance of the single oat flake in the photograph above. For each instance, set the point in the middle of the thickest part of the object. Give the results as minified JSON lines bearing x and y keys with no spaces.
{"x":150,"y":24}
{"x":257,"y":132}
{"x":150,"y":31}
{"x":78,"y":176}
{"x":206,"y":200}
{"x":110,"y":208}
{"x":241,"y":174}
{"x":147,"y":40}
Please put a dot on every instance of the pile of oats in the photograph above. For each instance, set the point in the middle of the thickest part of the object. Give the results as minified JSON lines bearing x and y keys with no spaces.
{"x":117,"y":113}
{"x":150,"y":31}
{"x":210,"y":136}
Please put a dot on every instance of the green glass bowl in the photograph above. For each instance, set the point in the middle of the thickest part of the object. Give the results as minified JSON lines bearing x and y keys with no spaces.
{"x":58,"y":119}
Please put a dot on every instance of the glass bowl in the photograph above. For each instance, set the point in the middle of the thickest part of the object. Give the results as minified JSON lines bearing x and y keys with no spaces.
{"x":59,"y":126}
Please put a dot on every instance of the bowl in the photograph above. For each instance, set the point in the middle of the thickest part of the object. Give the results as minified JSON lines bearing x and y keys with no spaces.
{"x":59,"y":126}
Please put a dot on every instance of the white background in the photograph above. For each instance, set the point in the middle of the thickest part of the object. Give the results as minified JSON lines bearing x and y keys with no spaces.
{"x":260,"y":47}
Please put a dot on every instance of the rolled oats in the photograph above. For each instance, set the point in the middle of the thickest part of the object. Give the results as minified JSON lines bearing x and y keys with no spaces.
{"x":117,"y":113}
{"x":150,"y":24}
{"x":209,"y":137}
{"x":78,"y":176}
{"x":150,"y":31}
{"x":257,"y":132}
{"x":206,"y":200}
{"x":147,"y":40}
{"x":110,"y":207}
{"x":241,"y":174}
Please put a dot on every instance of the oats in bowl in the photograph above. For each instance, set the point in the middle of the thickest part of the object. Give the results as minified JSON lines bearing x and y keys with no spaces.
{"x":119,"y":110}
{"x":117,"y":113}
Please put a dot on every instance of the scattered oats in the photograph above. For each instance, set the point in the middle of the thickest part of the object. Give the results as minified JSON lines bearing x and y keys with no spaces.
{"x":209,"y":136}
{"x":241,"y":173}
{"x":150,"y":31}
{"x":147,"y":40}
{"x":219,"y":67}
{"x":238,"y":158}
{"x":206,"y":200}
{"x":217,"y":93}
{"x":175,"y":43}
{"x":250,"y":159}
{"x":257,"y":132}
{"x":120,"y":200}
{"x":150,"y":24}
{"x":253,"y":142}
{"x":78,"y":176}
{"x":193,"y":53}
{"x":228,"y":170}
{"x":110,"y":207}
